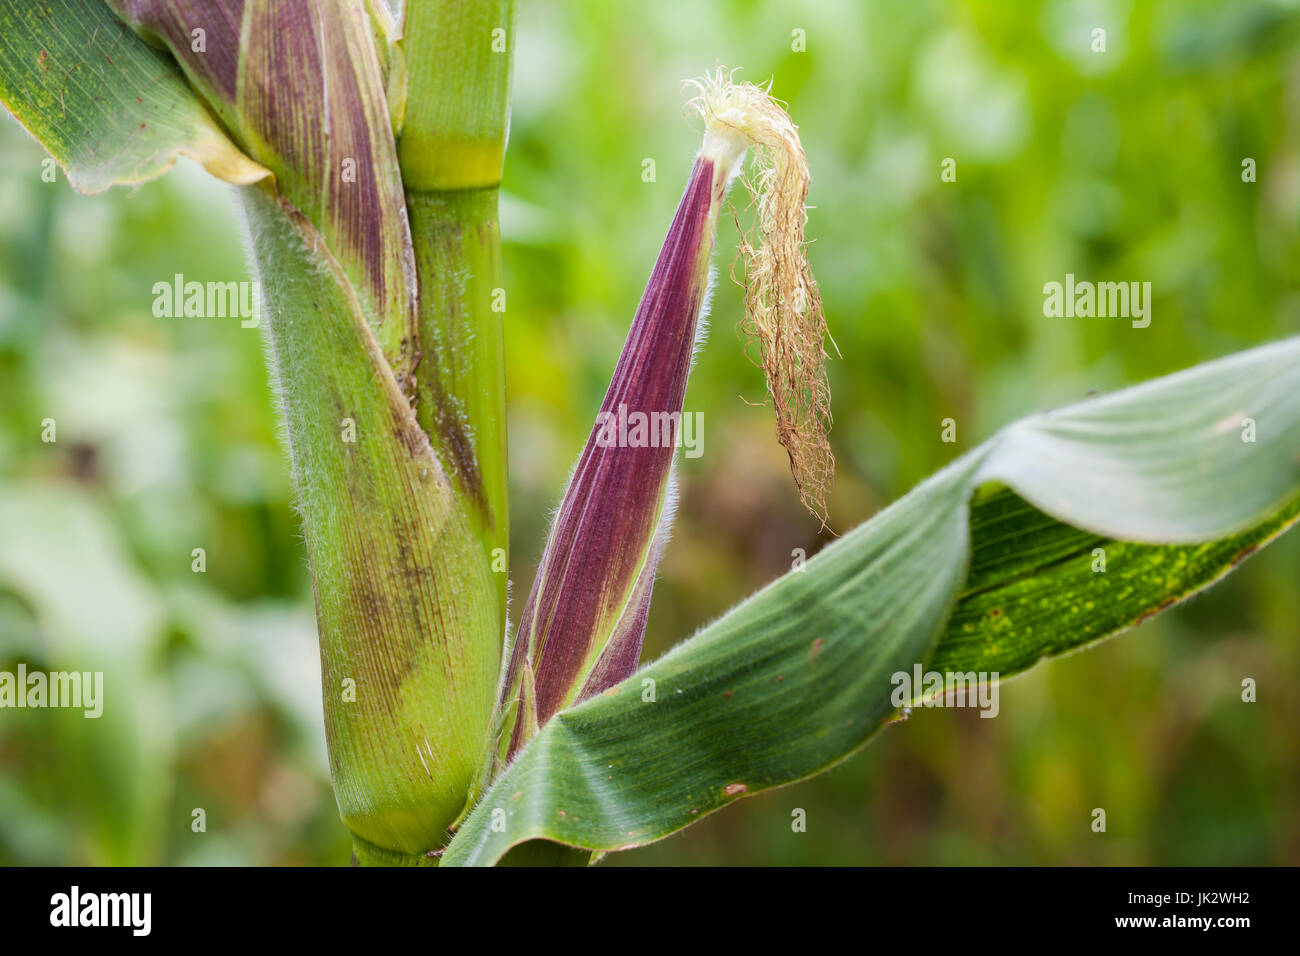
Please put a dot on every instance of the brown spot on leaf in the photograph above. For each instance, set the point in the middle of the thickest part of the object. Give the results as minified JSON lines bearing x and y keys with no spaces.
{"x":816,"y":648}
{"x":1244,"y":553}
{"x":457,"y":450}
{"x":735,"y":789}
{"x":375,"y":602}
{"x":1164,"y":605}
{"x":407,"y":431}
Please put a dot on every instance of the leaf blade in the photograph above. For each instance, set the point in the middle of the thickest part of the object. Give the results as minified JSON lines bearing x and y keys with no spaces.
{"x":615,"y":772}
{"x":108,"y":107}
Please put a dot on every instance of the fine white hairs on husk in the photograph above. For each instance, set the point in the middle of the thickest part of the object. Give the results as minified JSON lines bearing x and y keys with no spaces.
{"x":783,"y":309}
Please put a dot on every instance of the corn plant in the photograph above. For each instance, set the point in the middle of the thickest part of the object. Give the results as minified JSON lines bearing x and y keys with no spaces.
{"x":365,"y":140}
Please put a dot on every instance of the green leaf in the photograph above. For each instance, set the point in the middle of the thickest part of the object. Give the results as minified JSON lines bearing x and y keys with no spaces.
{"x":107,"y":106}
{"x":1033,"y":590}
{"x":1176,"y":480}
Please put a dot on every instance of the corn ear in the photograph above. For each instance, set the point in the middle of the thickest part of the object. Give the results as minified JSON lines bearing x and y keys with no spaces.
{"x":582,"y":627}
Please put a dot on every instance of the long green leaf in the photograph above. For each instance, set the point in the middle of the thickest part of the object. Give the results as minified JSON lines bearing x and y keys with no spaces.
{"x":106,"y":105}
{"x":1175,"y":480}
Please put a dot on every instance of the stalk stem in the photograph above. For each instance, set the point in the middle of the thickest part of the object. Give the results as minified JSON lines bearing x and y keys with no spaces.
{"x":458,"y":93}
{"x":461,"y":370}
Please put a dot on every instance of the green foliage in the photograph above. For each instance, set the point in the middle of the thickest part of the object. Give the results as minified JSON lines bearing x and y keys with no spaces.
{"x":802,"y":673}
{"x":109,"y":108}
{"x":1126,"y":167}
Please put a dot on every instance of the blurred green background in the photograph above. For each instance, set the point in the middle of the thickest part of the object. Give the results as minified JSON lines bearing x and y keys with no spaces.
{"x":1123,"y":165}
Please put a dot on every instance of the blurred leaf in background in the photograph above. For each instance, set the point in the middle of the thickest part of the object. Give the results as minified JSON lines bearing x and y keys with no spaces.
{"x":1125,"y":166}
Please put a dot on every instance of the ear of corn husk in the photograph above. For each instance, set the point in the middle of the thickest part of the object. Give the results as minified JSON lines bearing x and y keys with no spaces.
{"x":582,"y":627}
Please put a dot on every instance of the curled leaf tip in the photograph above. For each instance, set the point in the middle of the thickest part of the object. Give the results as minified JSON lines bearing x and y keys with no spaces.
{"x":783,"y":308}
